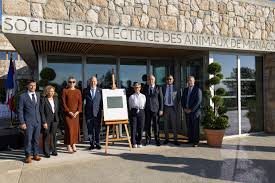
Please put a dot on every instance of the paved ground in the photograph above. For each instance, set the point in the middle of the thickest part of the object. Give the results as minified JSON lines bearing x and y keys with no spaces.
{"x":243,"y":159}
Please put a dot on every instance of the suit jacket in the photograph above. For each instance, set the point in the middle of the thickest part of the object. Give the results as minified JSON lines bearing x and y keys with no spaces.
{"x":93,"y":106}
{"x":47,"y":114}
{"x":28,"y":111}
{"x":154,"y":101}
{"x":195,"y":100}
{"x":175,"y":95}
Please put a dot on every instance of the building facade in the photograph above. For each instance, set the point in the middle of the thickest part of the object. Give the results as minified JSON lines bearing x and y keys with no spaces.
{"x":138,"y":37}
{"x":23,"y":71}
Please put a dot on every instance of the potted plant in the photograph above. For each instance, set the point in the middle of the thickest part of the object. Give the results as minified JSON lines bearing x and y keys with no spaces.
{"x":252,"y":114}
{"x":215,"y":121}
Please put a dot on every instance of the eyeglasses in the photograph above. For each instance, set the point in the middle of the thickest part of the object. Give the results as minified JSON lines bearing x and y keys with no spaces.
{"x":71,"y":81}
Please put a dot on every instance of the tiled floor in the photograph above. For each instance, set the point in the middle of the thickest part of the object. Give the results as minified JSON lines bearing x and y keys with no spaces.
{"x":242,"y":159}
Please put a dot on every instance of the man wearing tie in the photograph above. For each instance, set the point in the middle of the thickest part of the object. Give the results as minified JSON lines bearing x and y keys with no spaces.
{"x":171,"y":100}
{"x":30,"y":121}
{"x":153,"y":109}
{"x":191,"y":102}
{"x":93,"y":108}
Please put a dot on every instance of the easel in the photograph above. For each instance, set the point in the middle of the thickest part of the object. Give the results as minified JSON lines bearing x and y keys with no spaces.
{"x":115,"y":124}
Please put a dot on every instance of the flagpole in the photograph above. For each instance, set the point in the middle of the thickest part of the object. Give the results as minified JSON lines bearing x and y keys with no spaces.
{"x":11,"y":123}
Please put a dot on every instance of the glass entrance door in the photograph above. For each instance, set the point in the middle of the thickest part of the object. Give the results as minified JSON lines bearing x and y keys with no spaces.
{"x":191,"y":67}
{"x":132,"y":70}
{"x":101,"y":67}
{"x":160,"y":68}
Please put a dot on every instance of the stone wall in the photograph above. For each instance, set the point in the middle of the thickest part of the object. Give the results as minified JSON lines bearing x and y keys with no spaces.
{"x":269,"y":92}
{"x":22,"y":69}
{"x":5,"y":45}
{"x":252,"y":19}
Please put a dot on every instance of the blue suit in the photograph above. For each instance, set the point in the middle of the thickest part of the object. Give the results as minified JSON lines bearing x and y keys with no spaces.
{"x":29,"y":113}
{"x":93,"y":110}
{"x":193,"y":118}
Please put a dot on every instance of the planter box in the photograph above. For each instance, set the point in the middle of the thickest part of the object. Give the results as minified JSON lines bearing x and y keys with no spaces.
{"x":214,"y":137}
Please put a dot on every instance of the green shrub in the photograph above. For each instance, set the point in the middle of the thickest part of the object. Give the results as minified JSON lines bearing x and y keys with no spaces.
{"x":214,"y":68}
{"x":47,"y":74}
{"x":220,"y":91}
{"x":220,"y":75}
{"x":214,"y":117}
{"x":214,"y":80}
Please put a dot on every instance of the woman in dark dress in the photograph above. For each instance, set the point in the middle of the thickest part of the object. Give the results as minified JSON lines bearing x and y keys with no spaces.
{"x":72,"y":104}
{"x":50,"y":119}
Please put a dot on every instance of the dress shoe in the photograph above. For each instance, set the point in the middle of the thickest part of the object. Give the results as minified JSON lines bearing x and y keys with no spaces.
{"x":28,"y":159}
{"x":147,"y":141}
{"x":97,"y":146}
{"x":36,"y":158}
{"x":92,"y":147}
{"x":157,"y":143}
{"x":54,"y":153}
{"x":177,"y":143}
{"x":166,"y":141}
{"x":47,"y":155}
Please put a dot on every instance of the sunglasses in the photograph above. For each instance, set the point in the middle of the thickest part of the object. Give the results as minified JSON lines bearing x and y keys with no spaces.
{"x":71,"y":82}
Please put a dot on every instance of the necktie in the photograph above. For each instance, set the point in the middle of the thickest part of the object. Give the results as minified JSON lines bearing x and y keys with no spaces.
{"x":169,"y":95}
{"x":188,"y":96}
{"x":151,"y":90}
{"x":93,"y":93}
{"x":33,"y":98}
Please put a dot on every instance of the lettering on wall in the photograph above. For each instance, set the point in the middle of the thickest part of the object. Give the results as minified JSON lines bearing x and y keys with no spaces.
{"x":35,"y":26}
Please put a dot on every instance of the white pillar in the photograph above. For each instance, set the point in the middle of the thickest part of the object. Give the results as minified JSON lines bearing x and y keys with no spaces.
{"x":239,"y":94}
{"x":40,"y":65}
{"x":84,"y":73}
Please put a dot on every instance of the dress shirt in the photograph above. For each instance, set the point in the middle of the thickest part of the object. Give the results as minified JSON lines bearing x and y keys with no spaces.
{"x":137,"y":101}
{"x":30,"y":94}
{"x":91,"y":91}
{"x":151,"y":88}
{"x":166,"y":98}
{"x":52,"y":104}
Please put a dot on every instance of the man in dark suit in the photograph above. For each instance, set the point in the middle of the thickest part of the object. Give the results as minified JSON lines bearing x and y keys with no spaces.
{"x":30,"y":120}
{"x":93,"y":108}
{"x":153,"y":109}
{"x":191,"y":103}
{"x":171,"y":100}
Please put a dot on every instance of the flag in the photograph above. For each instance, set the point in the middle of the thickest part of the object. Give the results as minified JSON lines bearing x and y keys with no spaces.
{"x":10,"y":84}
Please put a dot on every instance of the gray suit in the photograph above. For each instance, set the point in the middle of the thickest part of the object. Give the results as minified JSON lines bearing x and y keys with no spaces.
{"x":29,"y":113}
{"x":170,"y":112}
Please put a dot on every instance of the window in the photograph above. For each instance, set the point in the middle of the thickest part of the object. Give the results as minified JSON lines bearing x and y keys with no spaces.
{"x":229,"y":83}
{"x":132,"y":70}
{"x":251,"y":91}
{"x":102,"y":69}
{"x":251,"y":84}
{"x":64,"y":67}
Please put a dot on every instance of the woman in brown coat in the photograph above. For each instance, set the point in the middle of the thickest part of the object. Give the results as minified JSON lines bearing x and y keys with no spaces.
{"x":72,"y":104}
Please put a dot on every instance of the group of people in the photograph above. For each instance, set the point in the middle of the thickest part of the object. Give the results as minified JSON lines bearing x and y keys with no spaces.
{"x":146,"y":106}
{"x":154,"y":101}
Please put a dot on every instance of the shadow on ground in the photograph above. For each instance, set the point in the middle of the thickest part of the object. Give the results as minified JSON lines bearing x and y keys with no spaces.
{"x":239,"y":170}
